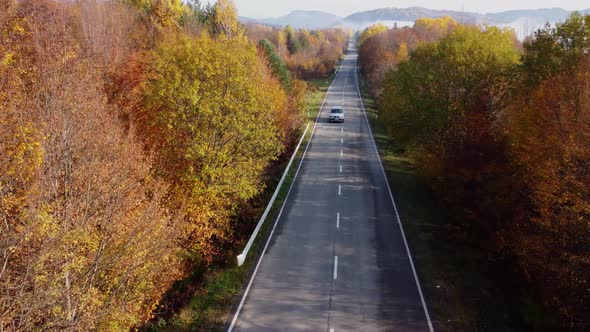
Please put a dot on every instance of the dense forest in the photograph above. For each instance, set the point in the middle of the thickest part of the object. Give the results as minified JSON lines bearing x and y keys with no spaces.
{"x":501,"y":130}
{"x":131,"y":132}
{"x":308,"y":54}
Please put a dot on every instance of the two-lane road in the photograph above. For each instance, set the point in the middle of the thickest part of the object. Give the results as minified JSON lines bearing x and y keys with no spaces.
{"x":338,"y":259}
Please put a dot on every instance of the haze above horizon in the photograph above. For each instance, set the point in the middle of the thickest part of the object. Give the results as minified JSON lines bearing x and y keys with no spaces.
{"x":265,"y":9}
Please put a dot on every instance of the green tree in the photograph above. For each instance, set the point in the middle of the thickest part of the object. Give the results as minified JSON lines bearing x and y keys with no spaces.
{"x":293,"y":44}
{"x":442,"y":81}
{"x":277,"y":65}
{"x":305,"y":38}
{"x":555,"y":49}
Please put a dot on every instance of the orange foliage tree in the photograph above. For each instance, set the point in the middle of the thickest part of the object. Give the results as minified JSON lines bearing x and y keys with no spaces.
{"x":381,"y":49}
{"x":85,"y":244}
{"x":549,"y":132}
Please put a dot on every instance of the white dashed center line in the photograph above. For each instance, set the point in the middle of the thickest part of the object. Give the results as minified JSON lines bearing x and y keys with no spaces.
{"x":339,"y":190}
{"x":335,"y":267}
{"x":340,"y":168}
{"x":338,"y":220}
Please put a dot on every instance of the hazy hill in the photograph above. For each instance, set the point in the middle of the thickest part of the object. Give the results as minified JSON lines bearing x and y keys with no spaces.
{"x":523,"y":21}
{"x":309,"y":19}
{"x":409,"y":14}
{"x":547,"y":14}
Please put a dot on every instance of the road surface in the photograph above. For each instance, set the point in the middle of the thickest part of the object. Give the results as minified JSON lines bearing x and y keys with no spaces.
{"x":337,"y":260}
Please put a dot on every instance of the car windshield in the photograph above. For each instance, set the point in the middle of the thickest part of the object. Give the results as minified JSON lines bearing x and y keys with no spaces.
{"x":336,"y":110}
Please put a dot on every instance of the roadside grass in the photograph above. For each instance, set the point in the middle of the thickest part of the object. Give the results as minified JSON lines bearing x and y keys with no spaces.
{"x":317,"y":90}
{"x":211,"y":305}
{"x":464,"y":289}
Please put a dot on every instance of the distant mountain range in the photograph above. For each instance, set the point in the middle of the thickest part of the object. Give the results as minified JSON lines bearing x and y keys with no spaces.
{"x":406,"y":14}
{"x":523,"y":21}
{"x":302,"y":19}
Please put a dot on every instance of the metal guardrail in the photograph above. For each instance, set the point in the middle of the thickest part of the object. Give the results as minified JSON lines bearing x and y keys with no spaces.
{"x":242,"y":257}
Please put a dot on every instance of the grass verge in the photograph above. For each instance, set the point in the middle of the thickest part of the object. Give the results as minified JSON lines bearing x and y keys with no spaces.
{"x":464,"y":289}
{"x":213,"y":301}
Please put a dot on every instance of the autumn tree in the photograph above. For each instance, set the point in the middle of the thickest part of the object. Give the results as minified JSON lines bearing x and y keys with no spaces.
{"x":296,"y":109}
{"x":20,"y":162}
{"x":371,"y":31}
{"x":130,"y":132}
{"x":293,"y":44}
{"x":381,"y":49}
{"x":322,"y":54}
{"x":441,"y":105}
{"x":547,"y":123}
{"x":281,"y":43}
{"x":504,"y":143}
{"x":290,"y":119}
{"x":549,"y":132}
{"x":316,"y":57}
{"x":225,"y":21}
{"x":207,"y":112}
{"x":85,"y":244}
{"x":443,"y":81}
{"x":277,"y":65}
{"x":433,"y":29}
{"x":105,"y":29}
{"x":382,"y":52}
{"x":305,"y":39}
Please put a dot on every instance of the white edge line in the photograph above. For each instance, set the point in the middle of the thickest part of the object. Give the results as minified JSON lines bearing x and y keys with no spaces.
{"x":395,"y":208}
{"x":236,"y":315}
{"x":335,"y":267}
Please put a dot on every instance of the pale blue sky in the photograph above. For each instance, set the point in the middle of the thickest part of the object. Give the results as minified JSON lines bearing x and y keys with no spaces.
{"x":274,"y":8}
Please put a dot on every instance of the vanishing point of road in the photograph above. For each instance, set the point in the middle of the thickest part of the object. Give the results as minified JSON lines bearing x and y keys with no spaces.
{"x":338,"y":259}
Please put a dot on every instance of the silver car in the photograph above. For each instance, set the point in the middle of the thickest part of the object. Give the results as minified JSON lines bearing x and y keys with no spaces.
{"x":336,"y":114}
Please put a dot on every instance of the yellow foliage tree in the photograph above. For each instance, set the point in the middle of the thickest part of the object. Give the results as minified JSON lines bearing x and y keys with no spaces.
{"x":371,"y":31}
{"x":402,"y":52}
{"x":225,"y":20}
{"x":208,"y":112}
{"x":433,"y":29}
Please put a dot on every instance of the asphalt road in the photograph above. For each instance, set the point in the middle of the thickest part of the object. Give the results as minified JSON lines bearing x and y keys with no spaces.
{"x":337,"y":260}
